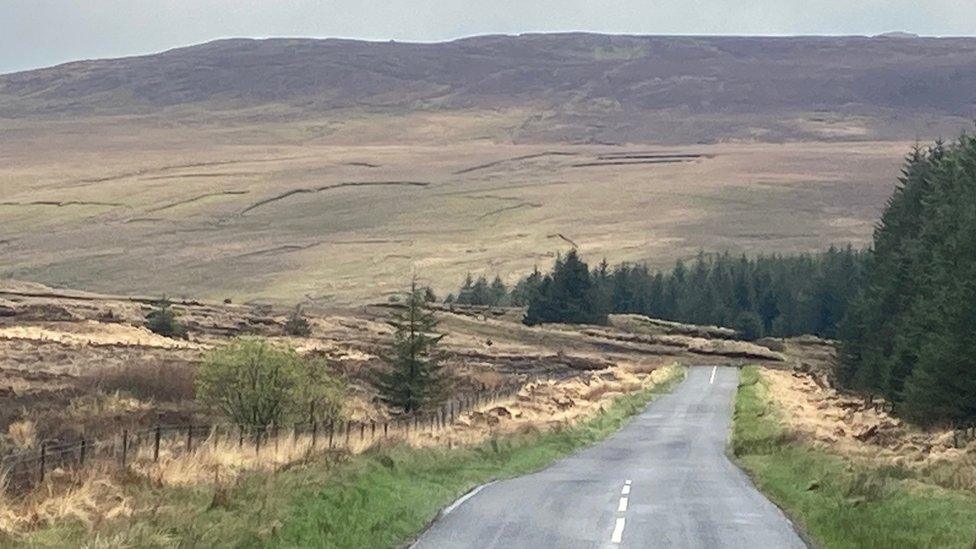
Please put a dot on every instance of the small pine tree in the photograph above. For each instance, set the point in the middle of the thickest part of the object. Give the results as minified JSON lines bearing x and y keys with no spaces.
{"x":498,"y":293}
{"x":162,"y":320}
{"x":416,"y":379}
{"x":297,"y":325}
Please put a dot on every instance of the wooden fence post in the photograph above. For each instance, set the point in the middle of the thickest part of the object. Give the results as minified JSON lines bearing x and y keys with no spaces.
{"x":81,"y":452}
{"x":125,"y":445}
{"x":43,"y":460}
{"x":189,"y":438}
{"x":157,"y":434}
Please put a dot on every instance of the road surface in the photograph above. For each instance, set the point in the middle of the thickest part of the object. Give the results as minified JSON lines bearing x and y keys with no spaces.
{"x":662,"y":481}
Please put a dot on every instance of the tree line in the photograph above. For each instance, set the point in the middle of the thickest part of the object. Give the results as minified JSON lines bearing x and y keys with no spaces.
{"x":774,"y":295}
{"x":910,"y":334}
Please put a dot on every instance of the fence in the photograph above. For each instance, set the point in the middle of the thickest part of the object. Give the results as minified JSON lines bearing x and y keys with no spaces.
{"x":266,"y":444}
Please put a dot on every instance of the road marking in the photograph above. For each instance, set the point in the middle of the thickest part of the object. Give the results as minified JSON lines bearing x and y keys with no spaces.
{"x":464,"y":498}
{"x":626,"y":489}
{"x":622,"y":506}
{"x":618,"y":531}
{"x":627,"y":482}
{"x":712,"y":380}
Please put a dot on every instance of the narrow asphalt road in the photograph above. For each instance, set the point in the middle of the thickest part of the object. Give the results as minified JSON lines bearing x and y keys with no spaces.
{"x":662,"y":481}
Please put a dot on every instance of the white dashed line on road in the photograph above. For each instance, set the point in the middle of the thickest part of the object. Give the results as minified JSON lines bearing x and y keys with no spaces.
{"x":618,"y":531}
{"x":712,"y":379}
{"x":618,"y":528}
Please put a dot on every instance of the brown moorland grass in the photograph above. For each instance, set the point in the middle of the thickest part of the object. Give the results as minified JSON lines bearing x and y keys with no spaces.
{"x":346,"y":217}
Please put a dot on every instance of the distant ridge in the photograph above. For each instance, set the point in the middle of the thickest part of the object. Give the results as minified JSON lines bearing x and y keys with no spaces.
{"x":618,"y":83}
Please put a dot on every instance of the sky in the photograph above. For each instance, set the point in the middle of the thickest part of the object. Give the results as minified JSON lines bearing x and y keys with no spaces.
{"x":38,"y":33}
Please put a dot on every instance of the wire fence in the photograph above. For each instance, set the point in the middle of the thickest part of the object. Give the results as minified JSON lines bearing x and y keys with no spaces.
{"x":264,"y":444}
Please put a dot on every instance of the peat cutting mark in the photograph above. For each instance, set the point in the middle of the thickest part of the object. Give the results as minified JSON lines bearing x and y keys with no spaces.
{"x":61,"y":204}
{"x":194,"y":199}
{"x":163,"y":169}
{"x":514,"y":159}
{"x":312,"y":190}
{"x":630,"y":162}
{"x":287,"y":248}
{"x":563,"y":237}
{"x":200,"y":174}
{"x":509,"y":208}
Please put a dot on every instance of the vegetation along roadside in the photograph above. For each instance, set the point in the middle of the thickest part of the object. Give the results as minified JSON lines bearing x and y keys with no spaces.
{"x":382,"y":498}
{"x":843,"y":502}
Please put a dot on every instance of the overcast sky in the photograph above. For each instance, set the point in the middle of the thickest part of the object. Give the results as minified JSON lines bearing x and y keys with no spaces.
{"x":37,"y":33}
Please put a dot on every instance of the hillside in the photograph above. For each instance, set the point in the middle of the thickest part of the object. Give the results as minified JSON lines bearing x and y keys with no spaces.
{"x":575,"y":86}
{"x":329,"y":170}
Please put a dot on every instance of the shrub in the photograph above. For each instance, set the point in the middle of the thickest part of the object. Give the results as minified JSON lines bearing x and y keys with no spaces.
{"x":257,"y":384}
{"x":297,"y":325}
{"x":162,"y":381}
{"x":162,"y":320}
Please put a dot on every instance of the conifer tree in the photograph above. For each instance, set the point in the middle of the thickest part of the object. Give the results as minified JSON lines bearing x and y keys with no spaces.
{"x":416,"y":379}
{"x":163,"y":320}
{"x":498,"y":293}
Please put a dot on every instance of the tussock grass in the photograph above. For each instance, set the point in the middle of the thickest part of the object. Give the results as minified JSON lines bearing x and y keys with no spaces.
{"x":165,"y":381}
{"x":381,"y":498}
{"x":842,"y":503}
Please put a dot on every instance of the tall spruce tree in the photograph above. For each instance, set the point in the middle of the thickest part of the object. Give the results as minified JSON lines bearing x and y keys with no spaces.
{"x":910,"y":334}
{"x":416,"y":379}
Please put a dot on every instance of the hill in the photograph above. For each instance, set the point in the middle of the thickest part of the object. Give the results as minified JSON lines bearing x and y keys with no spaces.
{"x":329,"y":170}
{"x":584,"y":86}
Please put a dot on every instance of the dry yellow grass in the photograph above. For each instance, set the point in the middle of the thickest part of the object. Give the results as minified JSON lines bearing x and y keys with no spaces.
{"x":97,"y":493}
{"x":845,"y":425}
{"x":23,"y":434}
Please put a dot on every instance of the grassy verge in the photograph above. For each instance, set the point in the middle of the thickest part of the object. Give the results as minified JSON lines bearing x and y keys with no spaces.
{"x":837,"y":502}
{"x":380,"y":499}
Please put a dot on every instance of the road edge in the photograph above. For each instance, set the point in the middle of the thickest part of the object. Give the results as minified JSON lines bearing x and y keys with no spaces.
{"x":672,"y":384}
{"x":730,"y":455}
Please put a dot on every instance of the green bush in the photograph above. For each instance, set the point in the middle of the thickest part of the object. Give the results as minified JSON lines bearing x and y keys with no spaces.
{"x":257,"y":384}
{"x":162,"y":320}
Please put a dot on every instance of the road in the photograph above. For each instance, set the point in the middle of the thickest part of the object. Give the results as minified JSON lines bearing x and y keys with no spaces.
{"x":662,"y":481}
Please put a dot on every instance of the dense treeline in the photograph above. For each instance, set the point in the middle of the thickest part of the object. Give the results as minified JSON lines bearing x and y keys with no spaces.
{"x":911,"y":334}
{"x":769,"y":295}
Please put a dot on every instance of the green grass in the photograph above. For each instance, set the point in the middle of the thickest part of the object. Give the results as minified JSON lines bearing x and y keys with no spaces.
{"x":380,"y":499}
{"x":837,"y":502}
